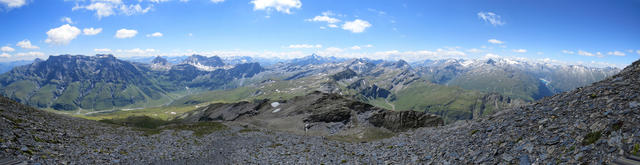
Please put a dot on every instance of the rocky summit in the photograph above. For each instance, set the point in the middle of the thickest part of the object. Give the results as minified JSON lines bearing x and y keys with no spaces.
{"x":596,"y":124}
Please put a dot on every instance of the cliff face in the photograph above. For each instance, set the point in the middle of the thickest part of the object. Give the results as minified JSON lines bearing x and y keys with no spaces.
{"x":404,"y":120}
{"x":324,"y":113}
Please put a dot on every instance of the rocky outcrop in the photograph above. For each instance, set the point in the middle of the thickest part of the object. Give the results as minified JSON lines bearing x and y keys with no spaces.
{"x":318,"y":110}
{"x":346,"y":74}
{"x":404,"y":120}
{"x":203,"y":61}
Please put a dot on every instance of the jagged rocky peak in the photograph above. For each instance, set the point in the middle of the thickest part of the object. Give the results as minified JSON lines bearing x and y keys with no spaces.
{"x":160,"y":63}
{"x":159,"y":60}
{"x":213,"y":61}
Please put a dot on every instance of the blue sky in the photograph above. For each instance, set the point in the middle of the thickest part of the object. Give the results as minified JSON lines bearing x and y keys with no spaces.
{"x":598,"y":33}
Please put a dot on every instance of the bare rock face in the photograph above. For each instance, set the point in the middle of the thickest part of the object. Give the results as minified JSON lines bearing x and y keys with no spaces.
{"x":229,"y":112}
{"x":404,"y":120}
{"x":325,"y":113}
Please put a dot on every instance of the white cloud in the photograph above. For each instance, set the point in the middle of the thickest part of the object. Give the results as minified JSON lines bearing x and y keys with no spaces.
{"x":102,"y":50}
{"x":156,"y":34}
{"x":331,"y":50}
{"x":474,"y":50}
{"x":30,"y":54}
{"x":616,"y":53}
{"x":585,"y":53}
{"x":495,"y":41}
{"x":5,"y":55}
{"x":101,"y":9}
{"x":13,"y":3}
{"x":492,"y":18}
{"x":356,"y":26}
{"x":139,"y":51}
{"x":105,"y":8}
{"x":520,"y":50}
{"x":134,"y":9}
{"x":638,"y":51}
{"x":26,"y":44}
{"x":126,"y":33}
{"x":67,"y":20}
{"x":325,"y":17}
{"x":359,"y":47}
{"x":7,"y":49}
{"x":91,"y":31}
{"x":62,"y":35}
{"x":332,"y":26}
{"x":217,"y":1}
{"x":568,"y":52}
{"x":491,"y":55}
{"x":307,"y":46}
{"x":283,"y":6}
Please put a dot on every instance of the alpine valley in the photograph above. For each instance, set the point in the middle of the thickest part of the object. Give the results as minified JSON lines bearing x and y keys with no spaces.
{"x":455,"y":89}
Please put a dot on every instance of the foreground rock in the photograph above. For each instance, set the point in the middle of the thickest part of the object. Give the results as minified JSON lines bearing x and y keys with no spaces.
{"x":316,"y":113}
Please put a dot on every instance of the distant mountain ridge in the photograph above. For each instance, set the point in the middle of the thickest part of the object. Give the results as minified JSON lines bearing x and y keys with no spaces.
{"x":527,"y":80}
{"x":70,"y":82}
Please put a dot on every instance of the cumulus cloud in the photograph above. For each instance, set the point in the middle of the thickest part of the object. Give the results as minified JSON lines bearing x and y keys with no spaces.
{"x":217,"y":1}
{"x":26,"y":44}
{"x":307,"y":46}
{"x":134,"y":9}
{"x":283,"y":6}
{"x":617,"y":53}
{"x":495,"y":41}
{"x":126,"y":33}
{"x":156,"y":34}
{"x":5,"y":55}
{"x":7,"y":49}
{"x":13,"y":3}
{"x":66,"y":20}
{"x":62,"y":35}
{"x":105,"y":8}
{"x":359,"y":47}
{"x":492,"y":18}
{"x":325,"y":17}
{"x":102,"y":50}
{"x":101,"y":9}
{"x":91,"y":31}
{"x":491,"y":55}
{"x":520,"y":50}
{"x":356,"y":26}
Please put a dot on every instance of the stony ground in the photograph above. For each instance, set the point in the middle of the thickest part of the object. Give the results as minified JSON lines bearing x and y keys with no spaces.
{"x":591,"y":125}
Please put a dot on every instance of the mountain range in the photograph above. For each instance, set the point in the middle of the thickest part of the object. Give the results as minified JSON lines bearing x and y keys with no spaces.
{"x":455,"y":89}
{"x":594,"y":124}
{"x":74,"y":82}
